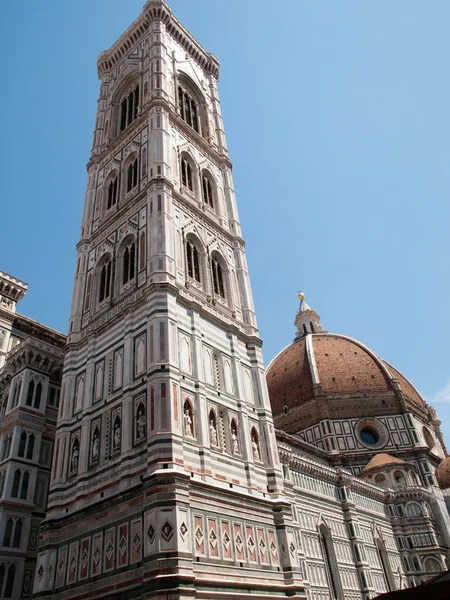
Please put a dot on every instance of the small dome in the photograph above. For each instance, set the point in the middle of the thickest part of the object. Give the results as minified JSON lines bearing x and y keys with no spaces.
{"x":442,"y":473}
{"x":382,"y":460}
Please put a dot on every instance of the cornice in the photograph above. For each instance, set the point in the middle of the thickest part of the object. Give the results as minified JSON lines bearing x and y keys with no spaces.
{"x":156,"y":10}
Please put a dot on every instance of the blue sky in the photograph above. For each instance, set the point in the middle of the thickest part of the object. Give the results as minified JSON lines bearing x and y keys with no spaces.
{"x":337,"y":120}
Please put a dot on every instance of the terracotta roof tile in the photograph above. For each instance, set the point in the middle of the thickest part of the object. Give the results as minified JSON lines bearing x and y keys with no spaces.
{"x":289,"y":378}
{"x":382,"y":460}
{"x":345,"y":367}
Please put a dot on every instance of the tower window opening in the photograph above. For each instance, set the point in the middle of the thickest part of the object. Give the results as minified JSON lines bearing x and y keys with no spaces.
{"x":188,"y":109}
{"x":128,"y":263}
{"x":217,"y":274}
{"x":193,"y":263}
{"x":207,"y":191}
{"x":105,"y":281}
{"x":132,"y":175}
{"x":186,"y":174}
{"x":129,"y":108}
{"x":112,"y":192}
{"x":312,"y":327}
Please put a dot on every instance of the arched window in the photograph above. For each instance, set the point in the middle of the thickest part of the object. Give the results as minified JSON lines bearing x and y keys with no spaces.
{"x":186,"y":174}
{"x":10,"y":581}
{"x":207,"y":190}
{"x":192,"y":259}
{"x":414,"y":510}
{"x":30,"y":393}
{"x":330,"y":562}
{"x":432,"y":566}
{"x":24,"y":488}
{"x":30,"y":447}
{"x":17,"y":534}
{"x":305,"y":331}
{"x":384,"y":561}
{"x":129,"y":108}
{"x":217,"y":275}
{"x":8,"y":532}
{"x":2,"y":576}
{"x":112,"y":192}
{"x":16,"y":393}
{"x":22,"y":444}
{"x":416,"y":563}
{"x":128,"y":263}
{"x":16,"y":483}
{"x":37,"y":396}
{"x":105,"y":281}
{"x":399,"y":479}
{"x":380,"y":480}
{"x":132,"y":175}
{"x":188,"y":108}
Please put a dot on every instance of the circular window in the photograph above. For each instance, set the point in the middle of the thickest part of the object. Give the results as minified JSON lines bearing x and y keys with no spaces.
{"x":369,"y":436}
{"x":371,"y":433}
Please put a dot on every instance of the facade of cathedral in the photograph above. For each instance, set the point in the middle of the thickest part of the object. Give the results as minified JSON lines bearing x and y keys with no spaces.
{"x":31,"y":361}
{"x":174,"y":475}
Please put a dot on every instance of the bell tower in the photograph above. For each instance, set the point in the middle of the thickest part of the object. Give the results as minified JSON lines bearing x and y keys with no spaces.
{"x":166,"y":477}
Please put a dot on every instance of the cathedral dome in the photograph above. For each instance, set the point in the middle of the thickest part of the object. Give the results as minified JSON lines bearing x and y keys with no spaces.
{"x":443,"y":474}
{"x":309,"y":378}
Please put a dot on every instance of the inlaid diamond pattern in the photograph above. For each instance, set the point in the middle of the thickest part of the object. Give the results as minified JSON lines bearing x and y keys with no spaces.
{"x":109,"y":550}
{"x":122,"y":545}
{"x":167,"y":531}
{"x":199,"y":536}
{"x":97,"y":555}
{"x":151,"y":533}
{"x":213,"y":538}
{"x":136,"y":542}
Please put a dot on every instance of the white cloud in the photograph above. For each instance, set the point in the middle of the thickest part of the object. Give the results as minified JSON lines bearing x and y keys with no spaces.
{"x":443,"y":395}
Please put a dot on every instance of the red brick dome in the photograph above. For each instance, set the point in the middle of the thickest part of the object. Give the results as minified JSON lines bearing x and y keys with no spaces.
{"x":323,"y":366}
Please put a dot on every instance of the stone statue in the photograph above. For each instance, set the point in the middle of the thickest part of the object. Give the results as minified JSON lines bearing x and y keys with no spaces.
{"x":140,"y":422}
{"x":255,"y":449}
{"x":234,"y":442}
{"x":75,"y":455}
{"x":95,"y":446}
{"x":187,"y":422}
{"x":212,"y":433}
{"x":117,"y":432}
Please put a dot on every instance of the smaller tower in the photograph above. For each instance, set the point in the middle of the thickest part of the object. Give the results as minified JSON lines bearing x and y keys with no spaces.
{"x":31,"y":357}
{"x":306,"y":319}
{"x":11,"y":291}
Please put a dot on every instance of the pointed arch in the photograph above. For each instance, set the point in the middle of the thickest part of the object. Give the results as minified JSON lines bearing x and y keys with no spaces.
{"x":194,"y":258}
{"x":140,"y":356}
{"x":209,"y":189}
{"x":188,"y":173}
{"x":111,"y":191}
{"x":103,"y":277}
{"x":228,"y":376}
{"x":37,"y":396}
{"x":330,"y":562}
{"x":8,"y":532}
{"x":22,"y":444}
{"x":79,"y":393}
{"x":191,"y":104}
{"x":30,"y":447}
{"x":17,"y":533}
{"x":16,"y":483}
{"x":385,"y":564}
{"x":219,"y":272}
{"x":30,"y":392}
{"x":126,"y":102}
{"x":24,"y":486}
{"x":127,"y":261}
{"x":10,"y":581}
